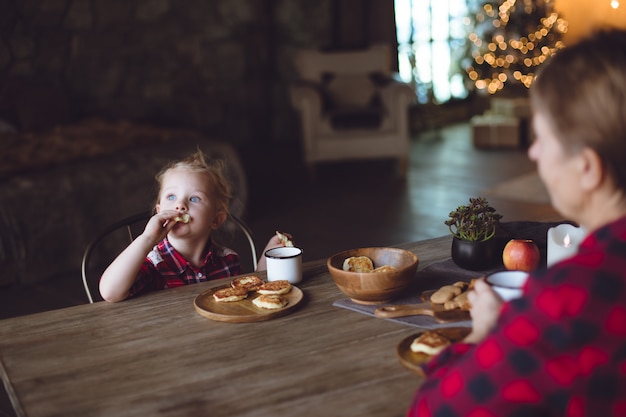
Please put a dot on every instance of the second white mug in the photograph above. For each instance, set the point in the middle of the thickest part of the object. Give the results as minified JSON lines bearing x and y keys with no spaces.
{"x":507,"y":284}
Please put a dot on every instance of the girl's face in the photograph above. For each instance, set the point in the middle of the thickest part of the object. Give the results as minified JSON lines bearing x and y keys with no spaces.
{"x":556,"y":167}
{"x":185,"y":191}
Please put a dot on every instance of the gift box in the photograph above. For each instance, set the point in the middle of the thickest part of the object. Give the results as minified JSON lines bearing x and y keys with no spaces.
{"x":496,"y":131}
{"x":516,"y":107}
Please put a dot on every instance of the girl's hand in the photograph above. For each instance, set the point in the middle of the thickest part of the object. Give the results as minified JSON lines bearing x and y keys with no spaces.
{"x":159,"y":226}
{"x":274,"y":242}
{"x":485,"y":311}
{"x":119,"y":277}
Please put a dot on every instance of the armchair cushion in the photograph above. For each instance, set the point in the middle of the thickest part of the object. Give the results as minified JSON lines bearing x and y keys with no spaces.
{"x":352,"y":101}
{"x":348,"y":90}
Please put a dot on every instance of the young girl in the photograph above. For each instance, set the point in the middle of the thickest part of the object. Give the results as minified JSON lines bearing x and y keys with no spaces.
{"x":175,"y":248}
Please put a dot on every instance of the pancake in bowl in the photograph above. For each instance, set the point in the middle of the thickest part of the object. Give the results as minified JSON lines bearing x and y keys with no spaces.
{"x":358,"y":264}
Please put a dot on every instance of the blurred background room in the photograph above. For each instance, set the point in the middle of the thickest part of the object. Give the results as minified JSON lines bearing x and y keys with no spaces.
{"x":97,"y":95}
{"x":347,"y":123}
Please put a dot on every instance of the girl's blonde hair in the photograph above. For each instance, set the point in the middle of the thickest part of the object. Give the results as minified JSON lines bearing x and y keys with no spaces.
{"x":214,"y":170}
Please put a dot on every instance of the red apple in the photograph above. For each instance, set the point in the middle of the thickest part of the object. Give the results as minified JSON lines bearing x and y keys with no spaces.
{"x":521,"y":255}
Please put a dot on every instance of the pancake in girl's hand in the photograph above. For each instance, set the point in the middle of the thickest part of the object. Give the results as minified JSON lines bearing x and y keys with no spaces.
{"x":285,"y":239}
{"x":183,"y":218}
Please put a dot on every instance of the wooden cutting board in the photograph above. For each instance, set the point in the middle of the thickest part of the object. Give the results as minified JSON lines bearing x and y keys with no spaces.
{"x":243,"y":311}
{"x":425,"y":308}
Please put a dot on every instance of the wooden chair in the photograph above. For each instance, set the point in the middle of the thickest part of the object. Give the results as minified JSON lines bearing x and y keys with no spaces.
{"x":352,"y":106}
{"x":101,"y":251}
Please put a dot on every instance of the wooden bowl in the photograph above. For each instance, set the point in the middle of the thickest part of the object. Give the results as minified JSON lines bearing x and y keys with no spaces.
{"x":374,"y":287}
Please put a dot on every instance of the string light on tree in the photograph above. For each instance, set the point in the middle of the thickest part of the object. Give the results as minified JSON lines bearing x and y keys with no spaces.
{"x":510,"y":40}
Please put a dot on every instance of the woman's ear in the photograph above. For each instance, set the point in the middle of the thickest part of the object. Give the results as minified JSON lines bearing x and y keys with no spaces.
{"x":592,"y":170}
{"x":219,"y":218}
{"x":157,"y":208}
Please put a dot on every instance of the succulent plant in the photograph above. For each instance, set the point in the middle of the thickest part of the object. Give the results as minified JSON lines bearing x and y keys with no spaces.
{"x":475,"y":222}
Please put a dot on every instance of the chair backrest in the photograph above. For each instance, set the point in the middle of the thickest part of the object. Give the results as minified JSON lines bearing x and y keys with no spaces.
{"x":313,"y":64}
{"x":347,"y":80}
{"x":101,"y":251}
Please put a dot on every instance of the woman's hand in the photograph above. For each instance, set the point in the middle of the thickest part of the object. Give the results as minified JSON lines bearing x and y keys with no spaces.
{"x":485,"y":311}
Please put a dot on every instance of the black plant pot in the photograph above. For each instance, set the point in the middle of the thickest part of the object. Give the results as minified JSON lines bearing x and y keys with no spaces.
{"x":476,"y":256}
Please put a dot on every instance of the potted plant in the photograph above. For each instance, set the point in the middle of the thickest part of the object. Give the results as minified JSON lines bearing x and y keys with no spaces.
{"x":473,"y":227}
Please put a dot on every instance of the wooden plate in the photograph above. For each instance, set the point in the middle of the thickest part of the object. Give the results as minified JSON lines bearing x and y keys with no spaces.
{"x":243,"y":311}
{"x":413,"y":361}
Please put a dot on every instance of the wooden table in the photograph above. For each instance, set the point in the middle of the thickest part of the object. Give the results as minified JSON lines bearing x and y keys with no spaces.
{"x":156,"y":356}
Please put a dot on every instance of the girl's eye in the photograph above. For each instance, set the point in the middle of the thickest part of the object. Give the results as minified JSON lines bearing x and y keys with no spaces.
{"x":194,"y":199}
{"x":171,"y":197}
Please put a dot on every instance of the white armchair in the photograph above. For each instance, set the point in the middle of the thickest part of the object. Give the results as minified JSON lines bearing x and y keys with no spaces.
{"x":352,"y":107}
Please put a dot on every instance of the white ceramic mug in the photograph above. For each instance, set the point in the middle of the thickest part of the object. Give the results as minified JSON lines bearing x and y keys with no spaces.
{"x":284,"y":263}
{"x":507,"y":284}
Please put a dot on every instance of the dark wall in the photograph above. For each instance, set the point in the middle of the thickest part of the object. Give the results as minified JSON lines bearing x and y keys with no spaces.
{"x":220,"y":66}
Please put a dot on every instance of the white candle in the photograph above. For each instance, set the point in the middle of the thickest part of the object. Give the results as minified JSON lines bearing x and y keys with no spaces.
{"x":563,"y":241}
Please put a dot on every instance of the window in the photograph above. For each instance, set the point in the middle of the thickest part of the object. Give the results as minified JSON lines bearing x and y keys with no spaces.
{"x":431,"y":44}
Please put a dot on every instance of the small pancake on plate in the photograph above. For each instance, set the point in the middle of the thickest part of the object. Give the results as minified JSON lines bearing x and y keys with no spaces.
{"x":275,"y":287}
{"x":430,"y":342}
{"x":229,"y":295}
{"x":248,"y":282}
{"x":270,"y":301}
{"x":413,"y":361}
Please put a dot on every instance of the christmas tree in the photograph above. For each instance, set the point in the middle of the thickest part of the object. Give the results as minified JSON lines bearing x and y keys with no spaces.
{"x":509,"y":40}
